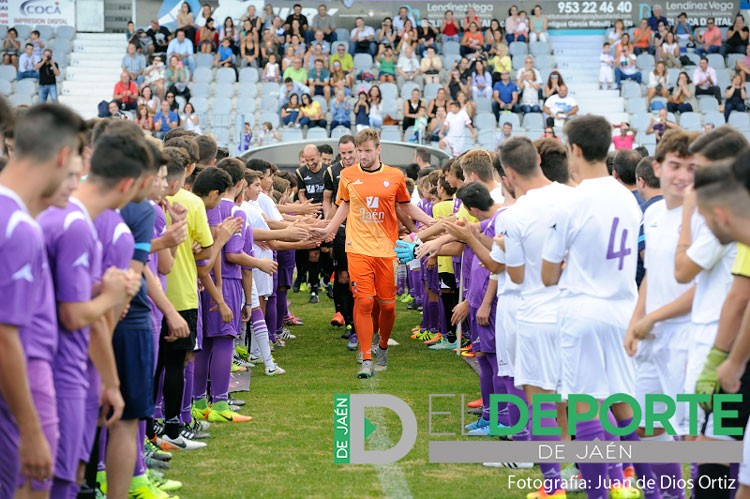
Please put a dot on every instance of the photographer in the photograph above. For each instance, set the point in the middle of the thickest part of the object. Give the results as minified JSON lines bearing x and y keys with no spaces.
{"x":48,"y":73}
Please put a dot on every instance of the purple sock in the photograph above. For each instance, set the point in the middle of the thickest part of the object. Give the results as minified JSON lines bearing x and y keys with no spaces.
{"x":514,"y":414}
{"x":498,"y":387}
{"x":694,"y":472}
{"x":425,"y":307}
{"x":594,"y":473}
{"x":102,"y":465}
{"x":280,"y":309}
{"x":485,"y":384}
{"x":614,"y":470}
{"x":221,"y":368}
{"x":434,"y":319}
{"x":641,"y":469}
{"x":63,"y":489}
{"x":674,"y":473}
{"x":550,"y":471}
{"x":416,"y":286}
{"x":200,"y":369}
{"x":186,"y":416}
{"x":271,"y":312}
{"x":401,"y":280}
{"x":159,"y":402}
{"x":140,"y":461}
{"x":734,"y":471}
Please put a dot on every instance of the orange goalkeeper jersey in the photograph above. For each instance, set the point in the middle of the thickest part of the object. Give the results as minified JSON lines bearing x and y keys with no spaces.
{"x":372,"y":225}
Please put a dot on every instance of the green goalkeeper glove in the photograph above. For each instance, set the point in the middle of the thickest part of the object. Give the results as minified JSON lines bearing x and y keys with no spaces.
{"x":708,"y":382}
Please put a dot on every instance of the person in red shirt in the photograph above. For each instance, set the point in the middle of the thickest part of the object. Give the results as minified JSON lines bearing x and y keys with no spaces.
{"x":126,"y":93}
{"x":626,"y":138}
{"x":449,"y":28}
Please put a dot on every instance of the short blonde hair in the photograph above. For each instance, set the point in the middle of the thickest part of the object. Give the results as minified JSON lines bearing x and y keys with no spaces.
{"x":367,"y":135}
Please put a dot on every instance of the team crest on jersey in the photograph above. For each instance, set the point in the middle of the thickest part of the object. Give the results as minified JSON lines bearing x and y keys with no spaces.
{"x":386,"y":183}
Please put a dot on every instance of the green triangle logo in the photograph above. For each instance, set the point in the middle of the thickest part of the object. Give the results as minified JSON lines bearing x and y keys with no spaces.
{"x":369,"y":428}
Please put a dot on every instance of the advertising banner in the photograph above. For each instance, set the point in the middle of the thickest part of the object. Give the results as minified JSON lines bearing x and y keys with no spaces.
{"x":34,"y":12}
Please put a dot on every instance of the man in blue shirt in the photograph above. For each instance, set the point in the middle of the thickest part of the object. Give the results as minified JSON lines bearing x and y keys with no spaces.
{"x":340,"y":111}
{"x":504,"y":95}
{"x":653,"y":21}
{"x":165,"y":120}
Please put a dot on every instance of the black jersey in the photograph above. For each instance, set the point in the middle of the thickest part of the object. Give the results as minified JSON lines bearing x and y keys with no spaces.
{"x":313,"y":183}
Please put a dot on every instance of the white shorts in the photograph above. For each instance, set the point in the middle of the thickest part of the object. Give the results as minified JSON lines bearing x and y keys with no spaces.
{"x":606,"y":75}
{"x":701,"y":338}
{"x":254,"y":300}
{"x":455,"y":144}
{"x":594,"y":360}
{"x":660,"y":368}
{"x":262,"y":282}
{"x":505,"y":332}
{"x":537,"y":361}
{"x":744,"y":474}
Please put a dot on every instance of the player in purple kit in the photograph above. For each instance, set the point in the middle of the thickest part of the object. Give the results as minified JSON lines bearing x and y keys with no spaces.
{"x":48,"y":141}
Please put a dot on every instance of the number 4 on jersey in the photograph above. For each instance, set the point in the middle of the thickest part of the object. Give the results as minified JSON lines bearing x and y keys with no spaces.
{"x":624,"y":250}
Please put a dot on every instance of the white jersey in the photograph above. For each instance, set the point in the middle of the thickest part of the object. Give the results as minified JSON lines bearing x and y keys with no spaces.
{"x":504,"y":285}
{"x":596,"y":233}
{"x":661,"y":229}
{"x":714,"y":281}
{"x":268,"y":207}
{"x":256,"y":221}
{"x":524,"y":229}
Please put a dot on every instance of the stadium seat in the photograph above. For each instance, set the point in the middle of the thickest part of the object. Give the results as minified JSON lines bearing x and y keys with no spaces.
{"x":630,"y":89}
{"x":21,"y":100}
{"x":291,"y":134}
{"x":538,"y":48}
{"x":431,"y":90}
{"x":203,"y":75}
{"x":389,"y":91}
{"x":485,"y":121}
{"x":322,"y":101}
{"x":271,"y":117}
{"x":647,"y":139}
{"x":221,"y":120}
{"x":691,"y":121}
{"x":390,"y":134}
{"x":180,"y":100}
{"x":544,"y":61}
{"x":732,"y":60}
{"x":483,"y":105}
{"x":224,"y":90}
{"x":271,"y":88}
{"x":672,"y":74}
{"x":339,"y":131}
{"x":707,"y":103}
{"x":511,"y":118}
{"x":645,"y":62}
{"x":45,"y":31}
{"x":362,"y":62}
{"x":342,"y":34}
{"x":247,"y":91}
{"x":716,"y":61}
{"x":450,"y":59}
{"x":714,"y":117}
{"x":26,"y":86}
{"x":269,"y":103}
{"x":201,"y":89}
{"x":390,"y":107}
{"x":62,"y":48}
{"x":487,"y":138}
{"x":5,"y":88}
{"x":226,"y":75}
{"x":3,"y":31}
{"x":248,"y":75}
{"x":8,"y":72}
{"x":246,"y":106}
{"x":518,"y":49}
{"x":656,"y":101}
{"x":317,"y":133}
{"x":65,"y":32}
{"x":24,"y":31}
{"x":200,"y":104}
{"x":739,"y":120}
{"x":640,"y":121}
{"x":222,"y":105}
{"x":406,"y":89}
{"x":533,"y":121}
{"x":204,"y":60}
{"x":635,"y":105}
{"x":724,"y":78}
{"x":451,"y":48}
{"x":222,"y":136}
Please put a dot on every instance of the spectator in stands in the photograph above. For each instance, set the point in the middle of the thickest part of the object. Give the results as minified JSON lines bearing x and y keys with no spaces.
{"x":362,"y":38}
{"x":295,"y":30}
{"x":361,"y":111}
{"x":114,"y":111}
{"x":538,"y":25}
{"x":296,"y":15}
{"x":493,"y":34}
{"x":452,"y":132}
{"x":473,"y":41}
{"x":669,"y":51}
{"x":471,"y":17}
{"x":318,"y":80}
{"x":440,"y":101}
{"x":278,"y":30}
{"x":160,"y":37}
{"x":387,"y":66}
{"x":246,"y":139}
{"x":560,"y":108}
{"x":376,"y":107}
{"x":134,"y":64}
{"x":400,"y":20}
{"x":683,"y":30}
{"x":319,"y":39}
{"x":614,"y":36}
{"x":624,"y":46}
{"x":449,"y":29}
{"x":204,"y":15}
{"x":268,"y":46}
{"x":290,"y":88}
{"x":11,"y":47}
{"x":504,"y":95}
{"x":511,"y":23}
{"x":554,"y":82}
{"x":455,"y":84}
{"x":189,"y":119}
{"x":737,"y":36}
{"x":165,"y":120}
{"x":266,"y":20}
{"x":48,"y":73}
{"x":528,"y":65}
{"x":345,"y":60}
{"x":682,"y":98}
{"x":177,"y":78}
{"x":436,"y":124}
{"x":172,"y":101}
{"x":642,"y":38}
{"x":36,"y":41}
{"x":340,"y":80}
{"x":126,"y":93}
{"x":186,"y":21}
{"x":657,"y":83}
{"x":155,"y":75}
{"x":408,"y":68}
{"x":705,"y":80}
{"x":340,"y":111}
{"x":660,"y":34}
{"x":225,"y":57}
{"x":656,"y":17}
{"x":267,"y":134}
{"x":315,"y":53}
{"x":290,"y":111}
{"x":296,"y":72}
{"x":149,"y":100}
{"x":522,"y":28}
{"x":625,"y":68}
{"x":182,"y":48}
{"x":426,"y":37}
{"x":481,"y":82}
{"x":386,"y":35}
{"x":660,"y":125}
{"x":228,"y":30}
{"x":271,"y":71}
{"x":500,"y":62}
{"x":407,"y":37}
{"x":311,"y":113}
{"x":529,"y":93}
{"x":325,"y":23}
{"x":412,"y":107}
{"x":249,"y":48}
{"x":606,"y":67}
{"x":27,"y":64}
{"x":144,"y":121}
{"x":431,"y":66}
{"x":506,"y":132}
{"x":736,"y":97}
{"x":742,"y":66}
{"x":208,"y":37}
{"x":626,"y":137}
{"x":467,"y":105}
{"x":710,"y":39}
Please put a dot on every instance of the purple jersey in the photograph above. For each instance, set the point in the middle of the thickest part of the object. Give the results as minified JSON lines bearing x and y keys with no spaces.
{"x":25,"y":279}
{"x":116,"y":238}
{"x":236,"y":243}
{"x":479,"y":274}
{"x":75,"y":256}
{"x":160,"y":226}
{"x":249,"y":240}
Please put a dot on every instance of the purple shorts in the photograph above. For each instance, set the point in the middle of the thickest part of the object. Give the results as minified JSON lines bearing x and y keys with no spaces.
{"x":286,"y":277}
{"x":433,"y":279}
{"x":43,"y":393}
{"x":483,"y":337}
{"x":72,"y":414}
{"x":92,"y":413}
{"x":10,"y":467}
{"x":232,"y":292}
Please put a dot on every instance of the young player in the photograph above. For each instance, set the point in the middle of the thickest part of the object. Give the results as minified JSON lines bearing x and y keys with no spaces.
{"x":596,"y":232}
{"x":368,"y":194}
